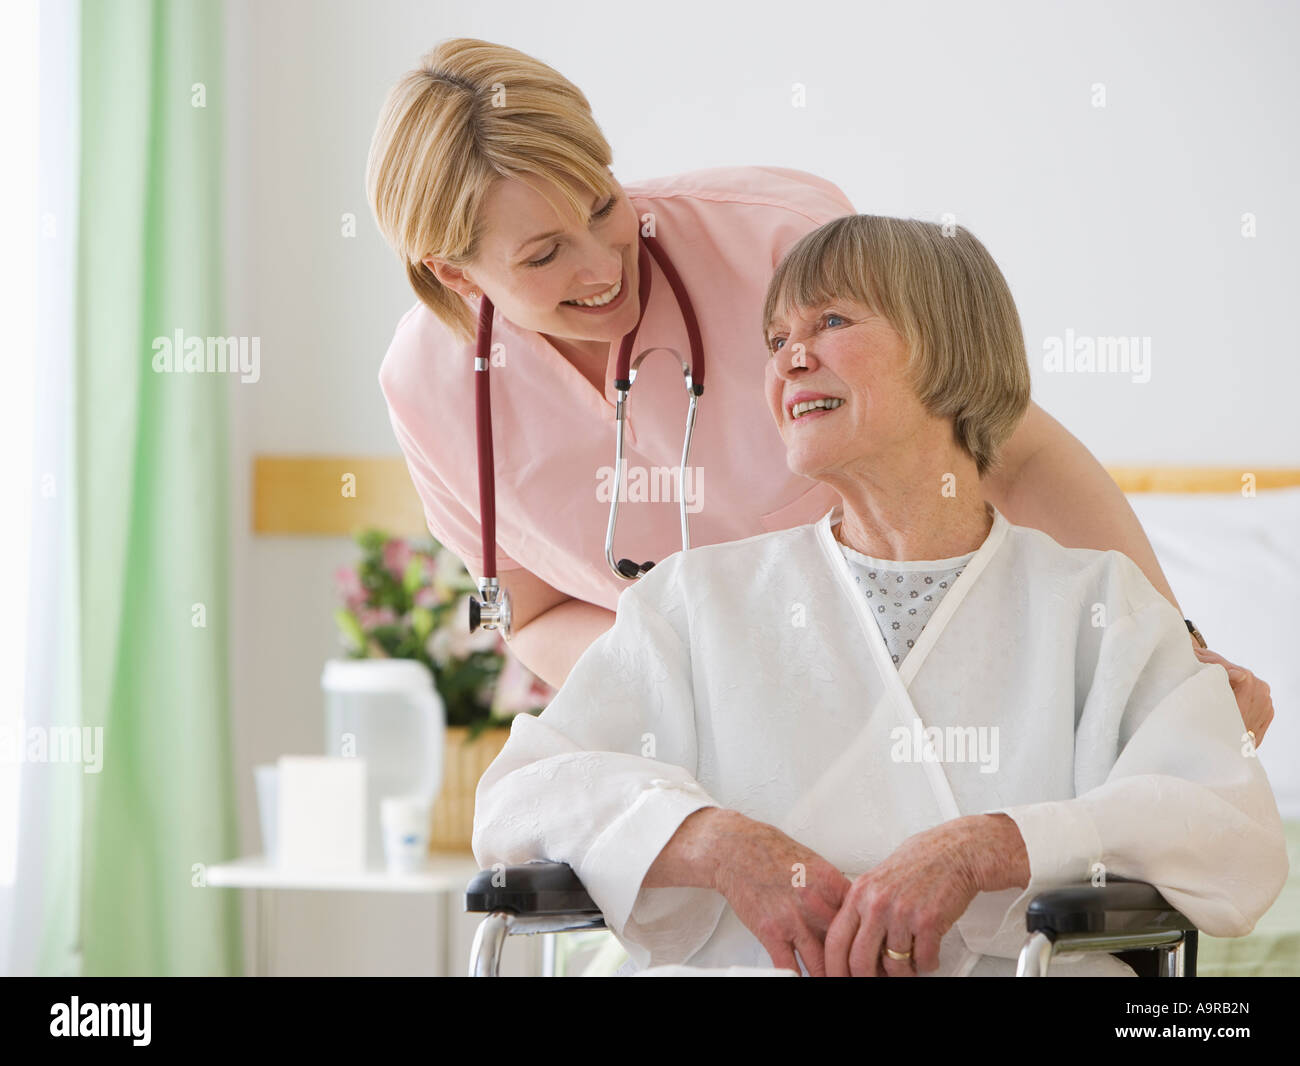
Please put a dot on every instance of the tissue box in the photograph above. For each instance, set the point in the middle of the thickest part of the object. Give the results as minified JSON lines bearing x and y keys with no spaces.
{"x":322,"y":814}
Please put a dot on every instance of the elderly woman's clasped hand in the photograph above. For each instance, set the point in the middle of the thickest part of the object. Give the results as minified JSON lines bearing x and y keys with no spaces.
{"x":894,"y":916}
{"x":785,"y":893}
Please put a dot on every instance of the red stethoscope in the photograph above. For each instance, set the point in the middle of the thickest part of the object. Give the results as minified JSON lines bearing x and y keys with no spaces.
{"x":491,"y":609}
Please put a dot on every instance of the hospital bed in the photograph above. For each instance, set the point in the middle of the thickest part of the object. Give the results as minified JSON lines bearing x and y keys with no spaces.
{"x":1128,"y":919}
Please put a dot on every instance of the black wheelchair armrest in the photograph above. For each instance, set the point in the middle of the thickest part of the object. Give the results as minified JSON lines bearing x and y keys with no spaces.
{"x":1118,"y":907}
{"x":536,"y":897}
{"x":1127,"y":918}
{"x":534,"y":888}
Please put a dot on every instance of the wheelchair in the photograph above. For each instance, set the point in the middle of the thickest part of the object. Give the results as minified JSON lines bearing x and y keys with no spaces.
{"x":1128,"y":919}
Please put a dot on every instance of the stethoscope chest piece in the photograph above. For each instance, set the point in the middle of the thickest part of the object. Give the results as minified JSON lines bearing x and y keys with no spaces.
{"x":492,"y":609}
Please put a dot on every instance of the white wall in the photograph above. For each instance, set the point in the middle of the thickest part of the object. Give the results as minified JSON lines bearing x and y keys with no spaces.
{"x":1116,"y":221}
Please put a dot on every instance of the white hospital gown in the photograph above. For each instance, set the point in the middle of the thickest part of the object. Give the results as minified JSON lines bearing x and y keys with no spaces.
{"x":751,"y":675}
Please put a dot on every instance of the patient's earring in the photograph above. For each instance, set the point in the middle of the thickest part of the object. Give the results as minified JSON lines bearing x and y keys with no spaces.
{"x":473,"y":294}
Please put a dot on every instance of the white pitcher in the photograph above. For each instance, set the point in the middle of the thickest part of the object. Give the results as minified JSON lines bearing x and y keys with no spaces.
{"x":388,"y":712}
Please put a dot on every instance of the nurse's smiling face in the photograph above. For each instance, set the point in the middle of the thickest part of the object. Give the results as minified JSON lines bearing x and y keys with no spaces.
{"x":535,"y":258}
{"x":855,"y":362}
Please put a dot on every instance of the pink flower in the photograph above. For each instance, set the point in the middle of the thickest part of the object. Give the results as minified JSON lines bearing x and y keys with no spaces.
{"x":349,"y":587}
{"x":397,"y":554}
{"x":541,"y":693}
{"x":370,"y":617}
{"x":427,"y":597}
{"x":518,"y":690}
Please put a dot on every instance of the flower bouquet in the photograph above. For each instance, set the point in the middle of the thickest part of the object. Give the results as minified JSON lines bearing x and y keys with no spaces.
{"x":409,"y":601}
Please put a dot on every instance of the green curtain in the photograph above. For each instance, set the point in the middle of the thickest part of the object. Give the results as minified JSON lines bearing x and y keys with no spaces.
{"x":152,"y":495}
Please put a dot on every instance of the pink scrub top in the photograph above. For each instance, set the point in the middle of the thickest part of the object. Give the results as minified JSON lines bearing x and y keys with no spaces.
{"x":724,"y":229}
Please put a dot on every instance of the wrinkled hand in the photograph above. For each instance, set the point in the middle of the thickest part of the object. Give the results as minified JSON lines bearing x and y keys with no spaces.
{"x":1254,"y":700}
{"x":785,"y":893}
{"x":908,"y":902}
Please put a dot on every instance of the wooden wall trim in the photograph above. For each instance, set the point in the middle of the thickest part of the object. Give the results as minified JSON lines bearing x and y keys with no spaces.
{"x":303,"y":495}
{"x":1182,"y":479}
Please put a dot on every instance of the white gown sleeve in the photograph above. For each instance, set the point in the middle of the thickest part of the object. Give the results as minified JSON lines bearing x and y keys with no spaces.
{"x":603,"y":778}
{"x":1166,"y":790}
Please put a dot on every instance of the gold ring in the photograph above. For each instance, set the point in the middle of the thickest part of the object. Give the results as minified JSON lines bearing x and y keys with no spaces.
{"x":898,"y":956}
{"x":1250,"y":733}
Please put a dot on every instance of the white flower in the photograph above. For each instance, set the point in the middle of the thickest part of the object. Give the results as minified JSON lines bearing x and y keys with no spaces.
{"x":449,"y":573}
{"x":439,"y":646}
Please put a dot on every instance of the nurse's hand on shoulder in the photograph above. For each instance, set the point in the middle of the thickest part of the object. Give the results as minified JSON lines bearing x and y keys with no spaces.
{"x":1254,"y":700}
{"x":785,"y":893}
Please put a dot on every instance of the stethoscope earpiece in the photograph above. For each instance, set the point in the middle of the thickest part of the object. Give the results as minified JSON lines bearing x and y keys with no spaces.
{"x":628,"y":569}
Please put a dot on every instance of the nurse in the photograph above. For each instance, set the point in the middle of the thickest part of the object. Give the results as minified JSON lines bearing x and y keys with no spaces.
{"x":488,"y":175}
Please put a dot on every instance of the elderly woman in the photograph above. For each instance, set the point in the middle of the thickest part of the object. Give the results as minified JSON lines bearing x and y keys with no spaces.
{"x":860,"y":746}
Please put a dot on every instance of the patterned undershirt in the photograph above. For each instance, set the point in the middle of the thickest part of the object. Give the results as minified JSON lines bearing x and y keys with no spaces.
{"x":902,"y":596}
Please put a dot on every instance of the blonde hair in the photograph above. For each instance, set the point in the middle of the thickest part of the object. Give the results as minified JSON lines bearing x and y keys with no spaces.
{"x":470,"y":113}
{"x":944,"y":295}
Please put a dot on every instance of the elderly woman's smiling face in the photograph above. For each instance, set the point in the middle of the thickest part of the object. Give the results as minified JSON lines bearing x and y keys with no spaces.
{"x":854,"y":361}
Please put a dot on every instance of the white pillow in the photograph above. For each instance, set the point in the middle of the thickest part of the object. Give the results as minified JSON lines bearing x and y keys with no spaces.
{"x":1234,"y":564}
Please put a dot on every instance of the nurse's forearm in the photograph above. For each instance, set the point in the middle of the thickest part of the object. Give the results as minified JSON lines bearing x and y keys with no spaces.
{"x":1050,"y":481}
{"x":552,"y":642}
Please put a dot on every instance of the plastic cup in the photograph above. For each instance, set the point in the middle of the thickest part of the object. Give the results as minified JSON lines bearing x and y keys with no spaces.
{"x":405,"y":822}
